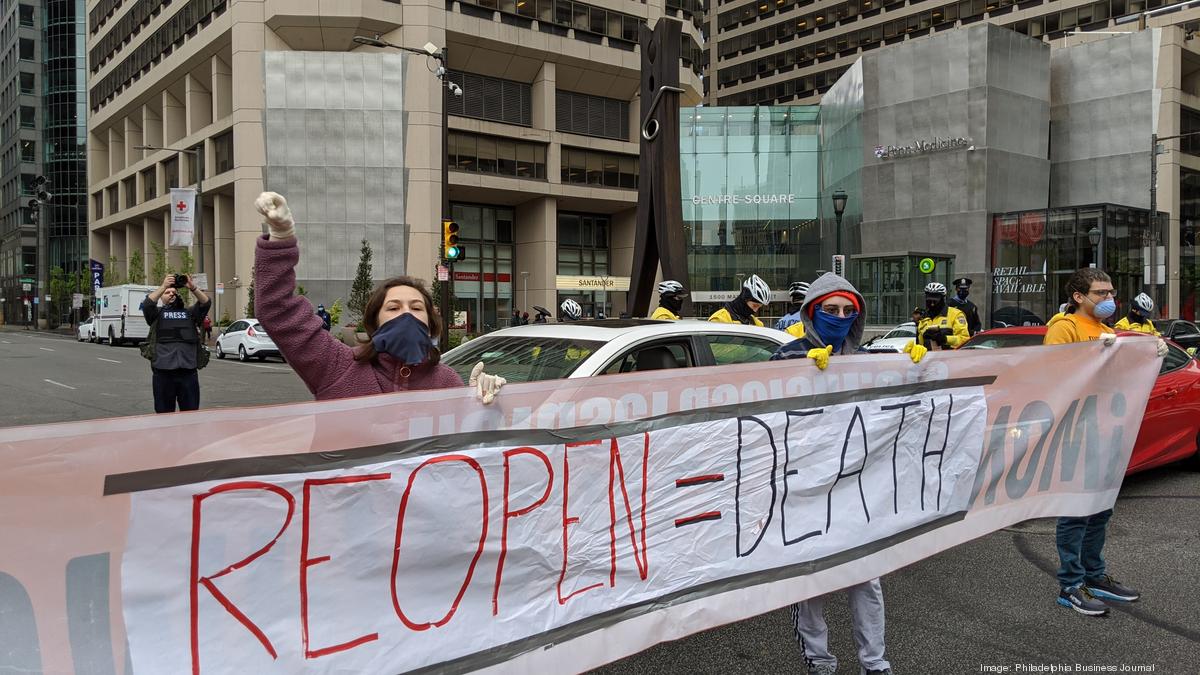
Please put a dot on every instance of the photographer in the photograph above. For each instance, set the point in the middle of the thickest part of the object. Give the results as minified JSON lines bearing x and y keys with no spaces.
{"x":174,"y":347}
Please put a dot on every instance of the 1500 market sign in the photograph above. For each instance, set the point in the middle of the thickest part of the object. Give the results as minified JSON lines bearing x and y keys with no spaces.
{"x":923,"y":147}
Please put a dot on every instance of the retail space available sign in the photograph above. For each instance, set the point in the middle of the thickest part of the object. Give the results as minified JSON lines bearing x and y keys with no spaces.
{"x":705,"y":200}
{"x":575,"y":283}
{"x":923,"y":147}
{"x":1019,"y":279}
{"x":569,"y":524}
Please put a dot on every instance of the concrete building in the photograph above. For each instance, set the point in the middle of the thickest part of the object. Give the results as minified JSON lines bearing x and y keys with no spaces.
{"x":542,"y":145}
{"x":41,"y":134}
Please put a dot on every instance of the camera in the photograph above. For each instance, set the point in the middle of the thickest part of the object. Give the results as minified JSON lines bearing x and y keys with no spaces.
{"x":181,"y":281}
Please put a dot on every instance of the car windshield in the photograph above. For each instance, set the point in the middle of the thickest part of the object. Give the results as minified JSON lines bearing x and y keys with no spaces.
{"x":522,"y":359}
{"x":1162,"y":325}
{"x":904,"y":332}
{"x":1003,"y":340}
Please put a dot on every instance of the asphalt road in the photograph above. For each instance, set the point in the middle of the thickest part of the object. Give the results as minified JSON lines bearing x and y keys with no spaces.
{"x":986,"y":606}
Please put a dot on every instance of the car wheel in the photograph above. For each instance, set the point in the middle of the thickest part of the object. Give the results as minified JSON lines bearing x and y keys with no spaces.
{"x":242,"y":353}
{"x":220,"y":352}
{"x":92,"y":337}
{"x":112,"y":338}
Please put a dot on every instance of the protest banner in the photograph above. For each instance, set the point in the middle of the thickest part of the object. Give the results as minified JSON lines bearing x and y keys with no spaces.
{"x":569,"y":524}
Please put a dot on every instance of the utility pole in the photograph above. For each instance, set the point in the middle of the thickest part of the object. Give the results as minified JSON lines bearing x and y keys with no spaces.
{"x":447,"y":310}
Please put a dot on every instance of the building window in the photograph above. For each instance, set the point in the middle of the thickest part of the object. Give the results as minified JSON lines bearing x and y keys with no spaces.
{"x":149,"y":185}
{"x":113,"y":204}
{"x":28,"y":151}
{"x":1189,"y":123}
{"x":583,"y":250}
{"x":223,"y":151}
{"x":129,"y":185}
{"x":27,"y":83}
{"x":28,"y":117}
{"x":27,"y":50}
{"x":495,"y":155}
{"x":171,"y":172}
{"x":591,"y":115}
{"x":491,"y":98}
{"x":26,"y":14}
{"x":590,"y":167}
{"x":483,"y":280}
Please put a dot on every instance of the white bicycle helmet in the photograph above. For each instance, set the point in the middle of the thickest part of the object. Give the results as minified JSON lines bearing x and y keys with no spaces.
{"x":571,"y":309}
{"x":798,"y":290}
{"x":1143,"y":303}
{"x":935,"y":288}
{"x":671,"y":287}
{"x":759,"y":290}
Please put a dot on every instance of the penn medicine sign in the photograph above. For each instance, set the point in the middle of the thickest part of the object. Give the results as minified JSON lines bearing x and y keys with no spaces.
{"x":923,"y":147}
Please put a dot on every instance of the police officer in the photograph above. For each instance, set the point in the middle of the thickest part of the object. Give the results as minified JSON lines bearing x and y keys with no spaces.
{"x":743,"y":309}
{"x":670,"y":300}
{"x":325,"y":317}
{"x":791,"y":322}
{"x":177,"y":344}
{"x":942,"y":325}
{"x":1139,"y":317}
{"x":962,"y":288}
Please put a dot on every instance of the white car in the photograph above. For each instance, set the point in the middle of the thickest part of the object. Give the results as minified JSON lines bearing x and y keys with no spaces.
{"x":246,"y":338}
{"x":86,"y":330}
{"x":587,"y":348}
{"x":893,"y":341}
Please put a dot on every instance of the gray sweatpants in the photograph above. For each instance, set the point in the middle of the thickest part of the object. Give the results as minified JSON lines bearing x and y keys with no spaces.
{"x":866,"y":612}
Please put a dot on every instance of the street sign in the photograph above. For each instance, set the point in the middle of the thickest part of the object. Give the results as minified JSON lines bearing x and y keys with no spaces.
{"x":36,"y":300}
{"x":47,"y":298}
{"x":27,"y":287}
{"x":201,"y":280}
{"x":220,"y":288}
{"x":27,"y":280}
{"x":97,"y":273}
{"x":839,"y":265}
{"x":927,"y":265}
{"x":76,"y":300}
{"x":443,"y":273}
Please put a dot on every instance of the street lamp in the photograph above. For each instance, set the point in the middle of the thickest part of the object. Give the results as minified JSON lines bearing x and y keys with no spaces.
{"x":442,"y":57}
{"x":194,"y":152}
{"x":1094,"y":238}
{"x":839,"y":207}
{"x":525,"y":281}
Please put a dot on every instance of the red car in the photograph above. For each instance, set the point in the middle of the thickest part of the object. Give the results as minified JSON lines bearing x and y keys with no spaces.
{"x":1171,"y":424}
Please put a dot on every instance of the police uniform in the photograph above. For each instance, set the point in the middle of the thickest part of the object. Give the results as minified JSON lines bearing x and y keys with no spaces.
{"x":967,"y":307}
{"x":663,"y":314}
{"x":723,"y":315}
{"x":951,"y":321}
{"x":1146,"y":326}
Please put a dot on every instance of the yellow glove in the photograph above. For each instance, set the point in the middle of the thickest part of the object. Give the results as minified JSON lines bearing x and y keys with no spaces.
{"x":915,"y":351}
{"x":820,"y":356}
{"x":1191,"y":351}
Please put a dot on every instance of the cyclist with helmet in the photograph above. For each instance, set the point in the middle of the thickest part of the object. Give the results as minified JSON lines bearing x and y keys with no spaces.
{"x":1139,"y":315}
{"x":962,"y":289}
{"x":791,"y":322}
{"x":754,"y":296}
{"x":670,"y":300}
{"x":571,"y":311}
{"x":942,"y":325}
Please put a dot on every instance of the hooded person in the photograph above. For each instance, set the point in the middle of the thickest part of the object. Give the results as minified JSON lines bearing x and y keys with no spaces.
{"x":743,"y":309}
{"x":670,"y":301}
{"x":402,"y":327}
{"x":790,"y":322}
{"x":1139,"y":317}
{"x":325,"y":317}
{"x":942,"y":326}
{"x":833,"y":317}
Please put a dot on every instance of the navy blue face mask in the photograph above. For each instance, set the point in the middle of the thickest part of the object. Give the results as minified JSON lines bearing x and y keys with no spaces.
{"x":404,"y":338}
{"x":833,"y":329}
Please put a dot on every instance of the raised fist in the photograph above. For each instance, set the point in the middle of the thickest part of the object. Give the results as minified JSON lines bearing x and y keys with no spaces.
{"x":274,"y":209}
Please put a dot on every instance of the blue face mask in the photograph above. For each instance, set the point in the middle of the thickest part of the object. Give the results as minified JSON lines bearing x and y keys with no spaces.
{"x":404,"y":338}
{"x":1105,"y":308}
{"x":833,"y":329}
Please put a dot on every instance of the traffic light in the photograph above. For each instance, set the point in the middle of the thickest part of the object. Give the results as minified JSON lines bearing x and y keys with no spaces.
{"x":451,"y":251}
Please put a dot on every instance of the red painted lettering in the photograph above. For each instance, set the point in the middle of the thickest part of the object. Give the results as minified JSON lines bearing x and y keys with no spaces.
{"x":514,"y":514}
{"x":306,"y":562}
{"x":616,"y":473}
{"x":569,"y":520}
{"x":196,"y":580}
{"x":400,"y":535}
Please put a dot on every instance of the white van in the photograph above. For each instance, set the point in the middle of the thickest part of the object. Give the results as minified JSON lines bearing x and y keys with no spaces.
{"x":120,"y":319}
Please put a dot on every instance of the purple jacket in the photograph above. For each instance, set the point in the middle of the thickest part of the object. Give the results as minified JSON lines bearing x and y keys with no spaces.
{"x":325,"y":364}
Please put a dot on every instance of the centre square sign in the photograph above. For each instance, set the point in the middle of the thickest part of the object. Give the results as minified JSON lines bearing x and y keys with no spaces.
{"x":923,"y":147}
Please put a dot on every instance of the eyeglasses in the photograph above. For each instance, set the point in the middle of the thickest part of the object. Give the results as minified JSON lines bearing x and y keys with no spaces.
{"x":1104,"y":293}
{"x":839,"y":310}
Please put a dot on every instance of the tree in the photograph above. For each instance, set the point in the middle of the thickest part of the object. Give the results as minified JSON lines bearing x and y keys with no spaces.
{"x":158,"y":270}
{"x":60,"y":295}
{"x":300,"y":290}
{"x":137,"y":267}
{"x":112,"y":275}
{"x":186,"y":264}
{"x":360,"y":291}
{"x":250,"y":302}
{"x":335,"y":313}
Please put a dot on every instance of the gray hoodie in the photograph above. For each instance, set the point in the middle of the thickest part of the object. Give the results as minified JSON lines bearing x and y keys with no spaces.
{"x":826,"y":284}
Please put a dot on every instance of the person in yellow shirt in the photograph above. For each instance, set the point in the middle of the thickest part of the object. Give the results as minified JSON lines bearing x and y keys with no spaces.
{"x":1139,"y":315}
{"x":1062,"y":312}
{"x":670,"y":301}
{"x":790,"y":322}
{"x":942,"y":325}
{"x":754,"y":296}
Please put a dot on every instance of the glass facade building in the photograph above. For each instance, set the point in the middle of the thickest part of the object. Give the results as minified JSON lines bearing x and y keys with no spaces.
{"x":751,"y":198}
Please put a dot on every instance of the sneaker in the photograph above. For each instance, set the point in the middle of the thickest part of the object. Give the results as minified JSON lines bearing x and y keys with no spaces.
{"x":1080,"y":600}
{"x":1108,"y":588}
{"x":884,"y":671}
{"x":822,"y":669}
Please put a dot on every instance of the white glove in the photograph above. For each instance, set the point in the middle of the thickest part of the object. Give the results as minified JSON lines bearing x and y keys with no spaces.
{"x":275,"y":209}
{"x":486,"y":386}
{"x":1109,"y":339}
{"x":1162,"y":348}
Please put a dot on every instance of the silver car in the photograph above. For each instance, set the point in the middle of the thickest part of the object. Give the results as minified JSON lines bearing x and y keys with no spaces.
{"x":246,"y":338}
